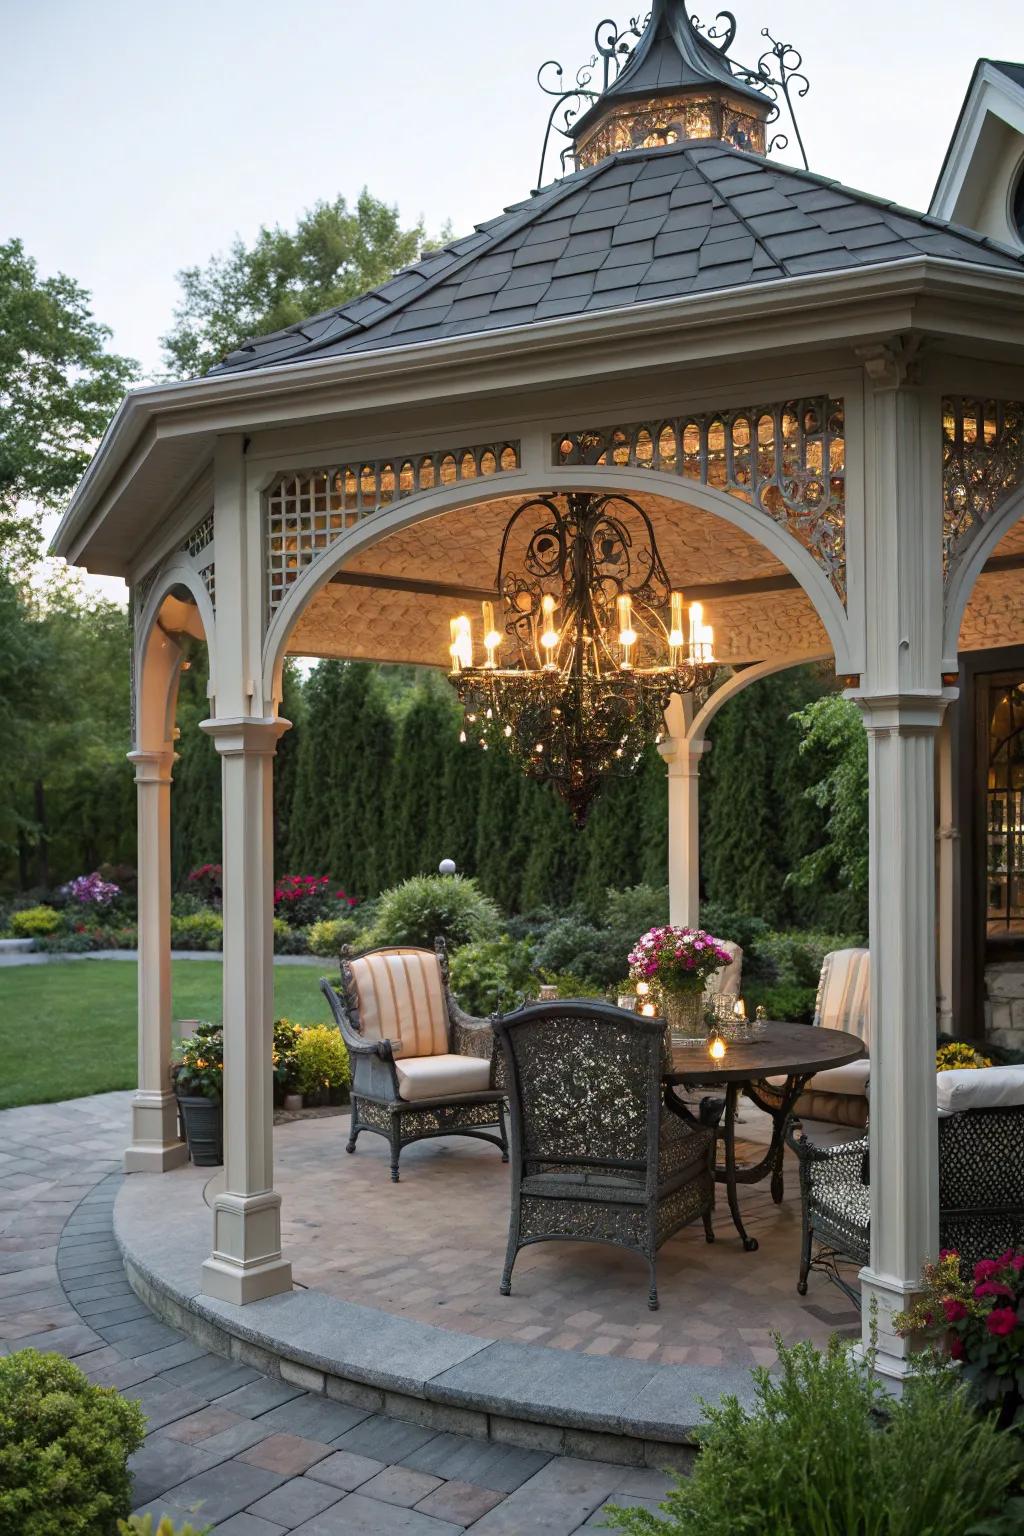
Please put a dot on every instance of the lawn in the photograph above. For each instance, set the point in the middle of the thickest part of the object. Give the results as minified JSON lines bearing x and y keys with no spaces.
{"x":68,"y":1030}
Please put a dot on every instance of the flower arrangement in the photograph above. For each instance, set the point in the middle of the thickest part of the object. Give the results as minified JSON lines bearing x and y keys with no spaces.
{"x":198,"y":1066}
{"x":91,"y":890}
{"x":979,"y":1323}
{"x":958,"y":1057}
{"x":677,"y":959}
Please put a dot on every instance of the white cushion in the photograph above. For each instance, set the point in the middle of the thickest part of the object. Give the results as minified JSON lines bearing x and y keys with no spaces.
{"x":438,"y":1077}
{"x":851,"y":1079}
{"x":984,"y":1088}
{"x":401,"y":998}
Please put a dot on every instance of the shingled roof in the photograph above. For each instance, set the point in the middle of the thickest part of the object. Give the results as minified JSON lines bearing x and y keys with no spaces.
{"x":693,"y":217}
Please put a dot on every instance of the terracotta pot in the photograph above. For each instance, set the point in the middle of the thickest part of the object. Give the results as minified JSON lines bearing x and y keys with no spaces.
{"x":203,"y":1123}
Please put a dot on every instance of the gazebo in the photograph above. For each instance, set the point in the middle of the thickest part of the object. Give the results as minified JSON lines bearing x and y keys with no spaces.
{"x":814,"y":395}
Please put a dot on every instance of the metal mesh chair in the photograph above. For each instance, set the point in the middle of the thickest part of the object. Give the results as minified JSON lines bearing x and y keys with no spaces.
{"x":595,"y":1156}
{"x":420,"y":1066}
{"x":981,"y":1193}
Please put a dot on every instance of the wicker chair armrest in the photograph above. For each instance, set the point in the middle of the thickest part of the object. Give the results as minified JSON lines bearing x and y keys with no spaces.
{"x":355,"y":1043}
{"x":848,"y":1161}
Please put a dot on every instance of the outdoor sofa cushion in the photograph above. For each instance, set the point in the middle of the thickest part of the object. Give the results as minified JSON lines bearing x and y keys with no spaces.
{"x":726,"y":982}
{"x":982,"y":1088}
{"x":401,"y":999}
{"x":439,"y":1077}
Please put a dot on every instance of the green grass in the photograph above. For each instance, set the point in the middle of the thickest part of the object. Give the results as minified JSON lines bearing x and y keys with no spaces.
{"x":69,"y":1030}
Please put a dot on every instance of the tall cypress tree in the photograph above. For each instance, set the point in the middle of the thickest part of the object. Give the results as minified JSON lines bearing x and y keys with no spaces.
{"x":196,"y":835}
{"x":417,"y":832}
{"x":286,"y":763}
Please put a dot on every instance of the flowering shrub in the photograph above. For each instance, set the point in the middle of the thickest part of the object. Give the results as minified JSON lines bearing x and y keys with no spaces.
{"x":205,"y":881}
{"x":198,"y":1066}
{"x":326,"y":937}
{"x":958,"y":1056}
{"x":91,"y":890}
{"x":322,"y":1059}
{"x":979,"y":1322}
{"x":677,"y":959}
{"x":305,"y":899}
{"x":34,"y":922}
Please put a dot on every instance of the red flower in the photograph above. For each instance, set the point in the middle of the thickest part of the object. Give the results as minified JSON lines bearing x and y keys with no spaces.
{"x":993,"y":1288}
{"x":985,"y":1268}
{"x":956,"y":1347}
{"x":1001,"y":1321}
{"x":948,"y":1253}
{"x":954,"y":1310}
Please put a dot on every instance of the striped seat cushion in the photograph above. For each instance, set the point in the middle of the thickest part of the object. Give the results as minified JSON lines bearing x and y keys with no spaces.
{"x":843,"y":993}
{"x":400,"y":997}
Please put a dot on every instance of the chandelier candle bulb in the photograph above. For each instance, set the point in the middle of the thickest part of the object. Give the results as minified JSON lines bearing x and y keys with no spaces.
{"x":492,"y":637}
{"x":696,"y":625}
{"x":549,"y":635}
{"x":676,"y":638}
{"x":462,"y":643}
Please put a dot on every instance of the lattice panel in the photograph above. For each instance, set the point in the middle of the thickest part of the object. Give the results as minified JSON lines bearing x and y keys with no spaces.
{"x":200,"y":537}
{"x":786,"y":459}
{"x":208,"y":576}
{"x":982,"y":464}
{"x":307,"y":513}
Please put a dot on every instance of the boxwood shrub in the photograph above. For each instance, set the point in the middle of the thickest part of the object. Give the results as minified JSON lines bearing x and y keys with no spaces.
{"x":64,"y":1448}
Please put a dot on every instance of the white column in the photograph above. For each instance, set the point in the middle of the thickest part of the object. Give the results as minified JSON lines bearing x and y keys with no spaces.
{"x":902,"y":698}
{"x":682,"y":758}
{"x":155,"y":1144}
{"x":947,"y":836}
{"x":246,"y":1263}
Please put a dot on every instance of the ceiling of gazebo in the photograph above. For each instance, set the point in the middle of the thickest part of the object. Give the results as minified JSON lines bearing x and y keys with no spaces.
{"x":995,"y":613}
{"x":708,"y":558}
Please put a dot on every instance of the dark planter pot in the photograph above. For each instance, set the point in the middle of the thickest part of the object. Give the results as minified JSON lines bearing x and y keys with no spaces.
{"x":203,"y":1123}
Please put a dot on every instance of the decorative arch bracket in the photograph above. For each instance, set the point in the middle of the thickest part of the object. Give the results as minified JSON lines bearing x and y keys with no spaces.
{"x":982,"y":467}
{"x":787,"y":459}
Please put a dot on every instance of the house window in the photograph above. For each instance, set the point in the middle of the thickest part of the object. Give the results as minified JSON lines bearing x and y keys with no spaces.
{"x":1004,"y":807}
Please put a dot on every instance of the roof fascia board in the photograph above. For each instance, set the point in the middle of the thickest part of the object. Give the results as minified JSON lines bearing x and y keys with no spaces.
{"x":876,"y":299}
{"x":990,"y":92}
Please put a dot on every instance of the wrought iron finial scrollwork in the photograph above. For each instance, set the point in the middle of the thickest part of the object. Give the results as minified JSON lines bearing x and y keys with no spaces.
{"x":722,"y":38}
{"x":613,"y":48}
{"x":789,"y":62}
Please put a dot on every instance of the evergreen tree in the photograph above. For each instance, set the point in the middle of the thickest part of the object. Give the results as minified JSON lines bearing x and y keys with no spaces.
{"x":286,"y":763}
{"x":553,"y":858}
{"x":417,"y":830}
{"x":196,"y":836}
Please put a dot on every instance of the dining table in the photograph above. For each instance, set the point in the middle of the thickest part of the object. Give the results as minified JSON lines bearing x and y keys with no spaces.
{"x":792,"y":1053}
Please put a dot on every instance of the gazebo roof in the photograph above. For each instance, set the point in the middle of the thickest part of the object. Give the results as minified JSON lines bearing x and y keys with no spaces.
{"x":696,"y":216}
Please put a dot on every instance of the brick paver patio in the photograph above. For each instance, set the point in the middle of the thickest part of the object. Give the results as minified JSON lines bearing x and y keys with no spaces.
{"x":226,"y":1446}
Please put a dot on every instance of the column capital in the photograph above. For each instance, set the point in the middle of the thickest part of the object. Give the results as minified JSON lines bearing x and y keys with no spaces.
{"x":153,"y":767}
{"x":248,"y":735}
{"x":915,"y":709}
{"x":681,"y":755}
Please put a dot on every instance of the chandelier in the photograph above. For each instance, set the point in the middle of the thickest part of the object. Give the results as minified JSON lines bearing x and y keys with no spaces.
{"x":592,"y":644}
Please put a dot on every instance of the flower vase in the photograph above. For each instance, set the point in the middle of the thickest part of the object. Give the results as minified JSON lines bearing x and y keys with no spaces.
{"x":684,"y":1013}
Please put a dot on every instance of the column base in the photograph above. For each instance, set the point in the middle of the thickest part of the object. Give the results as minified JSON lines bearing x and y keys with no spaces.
{"x":881,"y":1297}
{"x":155,"y":1144}
{"x":227,"y":1281}
{"x":246,"y":1263}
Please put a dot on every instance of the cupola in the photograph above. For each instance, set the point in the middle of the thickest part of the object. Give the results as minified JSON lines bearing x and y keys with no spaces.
{"x":677,"y":83}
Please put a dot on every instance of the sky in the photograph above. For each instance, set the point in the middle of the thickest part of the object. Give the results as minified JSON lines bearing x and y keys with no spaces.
{"x":142,"y":138}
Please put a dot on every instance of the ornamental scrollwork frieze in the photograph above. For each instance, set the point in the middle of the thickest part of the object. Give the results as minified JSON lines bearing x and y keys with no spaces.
{"x":307,"y":511}
{"x":982,"y":466}
{"x":786,"y":459}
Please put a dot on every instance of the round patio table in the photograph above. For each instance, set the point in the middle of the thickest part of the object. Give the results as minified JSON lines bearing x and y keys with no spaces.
{"x":793,"y":1051}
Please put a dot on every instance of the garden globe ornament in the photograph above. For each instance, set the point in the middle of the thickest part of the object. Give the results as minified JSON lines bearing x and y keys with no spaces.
{"x":446,"y":867}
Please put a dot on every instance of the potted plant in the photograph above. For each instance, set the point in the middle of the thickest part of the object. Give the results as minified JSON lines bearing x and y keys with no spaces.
{"x":286,"y":1064}
{"x":198,"y":1074}
{"x":676,"y":963}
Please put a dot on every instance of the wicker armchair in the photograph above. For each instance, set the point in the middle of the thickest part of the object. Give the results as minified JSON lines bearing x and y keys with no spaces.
{"x":420,"y":1066}
{"x":981,"y":1180}
{"x":595,"y":1156}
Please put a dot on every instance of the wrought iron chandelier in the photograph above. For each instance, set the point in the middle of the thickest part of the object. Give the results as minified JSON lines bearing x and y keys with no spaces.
{"x":592,"y":645}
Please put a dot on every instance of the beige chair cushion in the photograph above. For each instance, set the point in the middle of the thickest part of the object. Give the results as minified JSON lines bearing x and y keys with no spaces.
{"x":439,"y":1077}
{"x":851,"y":1079}
{"x":401,"y":998}
{"x":726,"y":982}
{"x":843,"y":993}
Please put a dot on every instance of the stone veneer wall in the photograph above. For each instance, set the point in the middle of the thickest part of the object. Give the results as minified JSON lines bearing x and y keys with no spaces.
{"x":1004,"y":1006}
